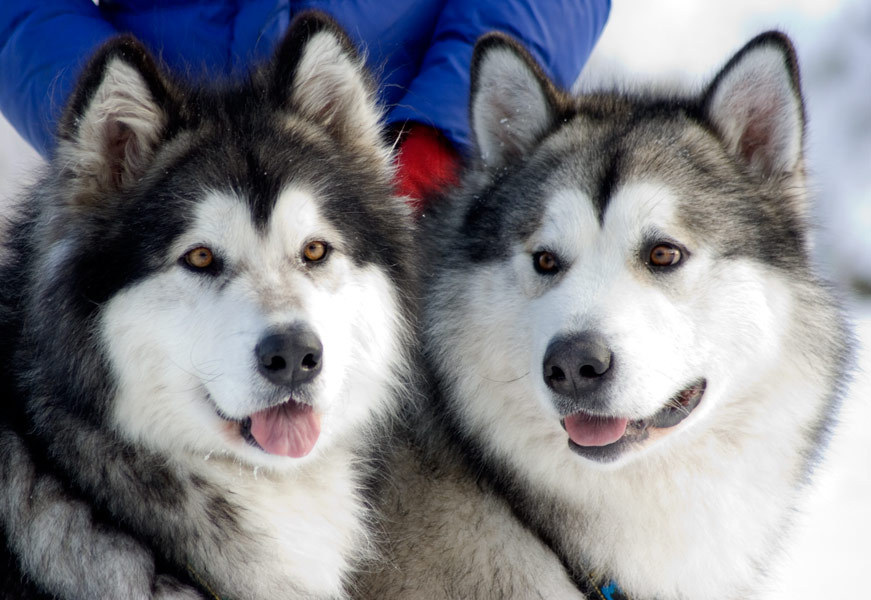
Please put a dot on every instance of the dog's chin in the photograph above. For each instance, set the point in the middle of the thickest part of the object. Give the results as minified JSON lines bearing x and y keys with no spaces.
{"x":607,"y":439}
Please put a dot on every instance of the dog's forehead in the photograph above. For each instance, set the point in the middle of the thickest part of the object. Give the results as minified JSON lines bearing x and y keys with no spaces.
{"x":569,"y":214}
{"x":297,"y":216}
{"x":650,"y":163}
{"x":657,"y":170}
{"x":635,"y":208}
{"x":224,"y":217}
{"x":642,"y":203}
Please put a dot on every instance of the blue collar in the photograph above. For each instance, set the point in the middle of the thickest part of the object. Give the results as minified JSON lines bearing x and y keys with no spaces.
{"x":595,"y":588}
{"x":611,"y":591}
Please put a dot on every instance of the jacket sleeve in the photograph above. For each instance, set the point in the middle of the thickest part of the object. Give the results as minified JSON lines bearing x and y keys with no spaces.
{"x":43,"y":46}
{"x":560,"y":34}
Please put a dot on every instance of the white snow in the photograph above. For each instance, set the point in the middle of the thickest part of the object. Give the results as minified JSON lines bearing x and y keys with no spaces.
{"x":688,"y":40}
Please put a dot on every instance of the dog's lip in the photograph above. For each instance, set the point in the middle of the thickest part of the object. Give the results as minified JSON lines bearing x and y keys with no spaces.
{"x":676,"y":409}
{"x":679,"y":406}
{"x":244,"y":424}
{"x":243,"y":428}
{"x":245,"y":432}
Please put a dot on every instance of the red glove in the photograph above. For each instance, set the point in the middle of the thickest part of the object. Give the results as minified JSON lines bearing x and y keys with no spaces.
{"x":426,"y":163}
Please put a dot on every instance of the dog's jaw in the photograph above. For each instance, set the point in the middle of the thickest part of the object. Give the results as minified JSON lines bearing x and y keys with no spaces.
{"x":606,"y":438}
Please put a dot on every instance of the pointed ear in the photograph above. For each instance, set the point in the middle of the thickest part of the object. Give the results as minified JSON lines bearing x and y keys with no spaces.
{"x":115,"y":117}
{"x":512,"y":104}
{"x":756,"y":105}
{"x":318,"y":75}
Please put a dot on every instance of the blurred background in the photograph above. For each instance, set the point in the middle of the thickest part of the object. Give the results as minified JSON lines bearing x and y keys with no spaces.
{"x":687,"y":41}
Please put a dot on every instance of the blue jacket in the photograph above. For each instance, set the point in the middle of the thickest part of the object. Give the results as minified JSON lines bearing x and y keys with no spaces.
{"x":419,"y":49}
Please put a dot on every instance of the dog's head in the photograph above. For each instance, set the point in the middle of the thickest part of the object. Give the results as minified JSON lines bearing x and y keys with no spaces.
{"x":619,"y":264}
{"x":236,"y":250}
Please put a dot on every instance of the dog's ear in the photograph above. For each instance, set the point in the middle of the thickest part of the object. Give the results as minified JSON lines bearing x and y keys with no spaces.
{"x":512,"y":103}
{"x":115,"y":117}
{"x":318,"y":75}
{"x":755,"y":103}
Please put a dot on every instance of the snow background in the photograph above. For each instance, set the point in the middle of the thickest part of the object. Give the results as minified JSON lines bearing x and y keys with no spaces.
{"x":686,"y":41}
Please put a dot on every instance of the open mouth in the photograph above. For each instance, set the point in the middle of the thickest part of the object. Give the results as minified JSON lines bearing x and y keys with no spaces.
{"x":605,"y":438}
{"x":288,"y":429}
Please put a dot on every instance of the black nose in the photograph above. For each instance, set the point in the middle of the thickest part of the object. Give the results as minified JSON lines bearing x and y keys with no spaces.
{"x":577,"y":364}
{"x":290,"y":356}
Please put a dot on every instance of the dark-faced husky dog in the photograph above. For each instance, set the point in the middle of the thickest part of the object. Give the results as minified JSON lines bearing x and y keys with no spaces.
{"x":627,"y":332}
{"x":206,"y":312}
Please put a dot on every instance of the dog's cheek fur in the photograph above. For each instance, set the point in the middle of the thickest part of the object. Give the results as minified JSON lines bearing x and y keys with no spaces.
{"x":160,"y":401}
{"x":367,"y":311}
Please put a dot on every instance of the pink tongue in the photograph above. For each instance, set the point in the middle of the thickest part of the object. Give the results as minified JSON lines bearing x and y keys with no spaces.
{"x":587,"y":430}
{"x":290,"y":429}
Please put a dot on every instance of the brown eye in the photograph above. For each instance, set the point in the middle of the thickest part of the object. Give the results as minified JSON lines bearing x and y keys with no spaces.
{"x":315,"y":251}
{"x":199,"y":258}
{"x":665,"y":255}
{"x":545,"y":262}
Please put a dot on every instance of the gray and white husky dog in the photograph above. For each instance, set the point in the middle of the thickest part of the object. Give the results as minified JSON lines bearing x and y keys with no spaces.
{"x":628,"y":335}
{"x":206,"y":315}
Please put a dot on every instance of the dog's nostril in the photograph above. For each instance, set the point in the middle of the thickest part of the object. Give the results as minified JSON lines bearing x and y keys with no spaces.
{"x":309,"y":362}
{"x":588,"y":371}
{"x":276,"y":363}
{"x":556,"y":374}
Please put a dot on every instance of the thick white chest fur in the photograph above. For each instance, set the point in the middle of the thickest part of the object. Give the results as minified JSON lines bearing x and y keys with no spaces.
{"x":304,"y":527}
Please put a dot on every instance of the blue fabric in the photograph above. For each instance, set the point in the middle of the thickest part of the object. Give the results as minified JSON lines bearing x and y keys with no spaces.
{"x":560,"y":34}
{"x":420,"y":50}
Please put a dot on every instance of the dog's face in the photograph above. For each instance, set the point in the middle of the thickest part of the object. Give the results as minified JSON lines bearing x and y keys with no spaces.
{"x":633,"y":327}
{"x":625,"y":270}
{"x":250,"y":302}
{"x":268,"y":342}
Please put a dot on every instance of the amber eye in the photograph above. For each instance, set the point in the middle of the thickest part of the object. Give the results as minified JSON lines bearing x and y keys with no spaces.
{"x":545,"y":262}
{"x":315,"y":251}
{"x":199,"y":258}
{"x":665,"y":255}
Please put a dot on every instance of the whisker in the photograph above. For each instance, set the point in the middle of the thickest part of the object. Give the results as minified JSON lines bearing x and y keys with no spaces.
{"x":491,"y":380}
